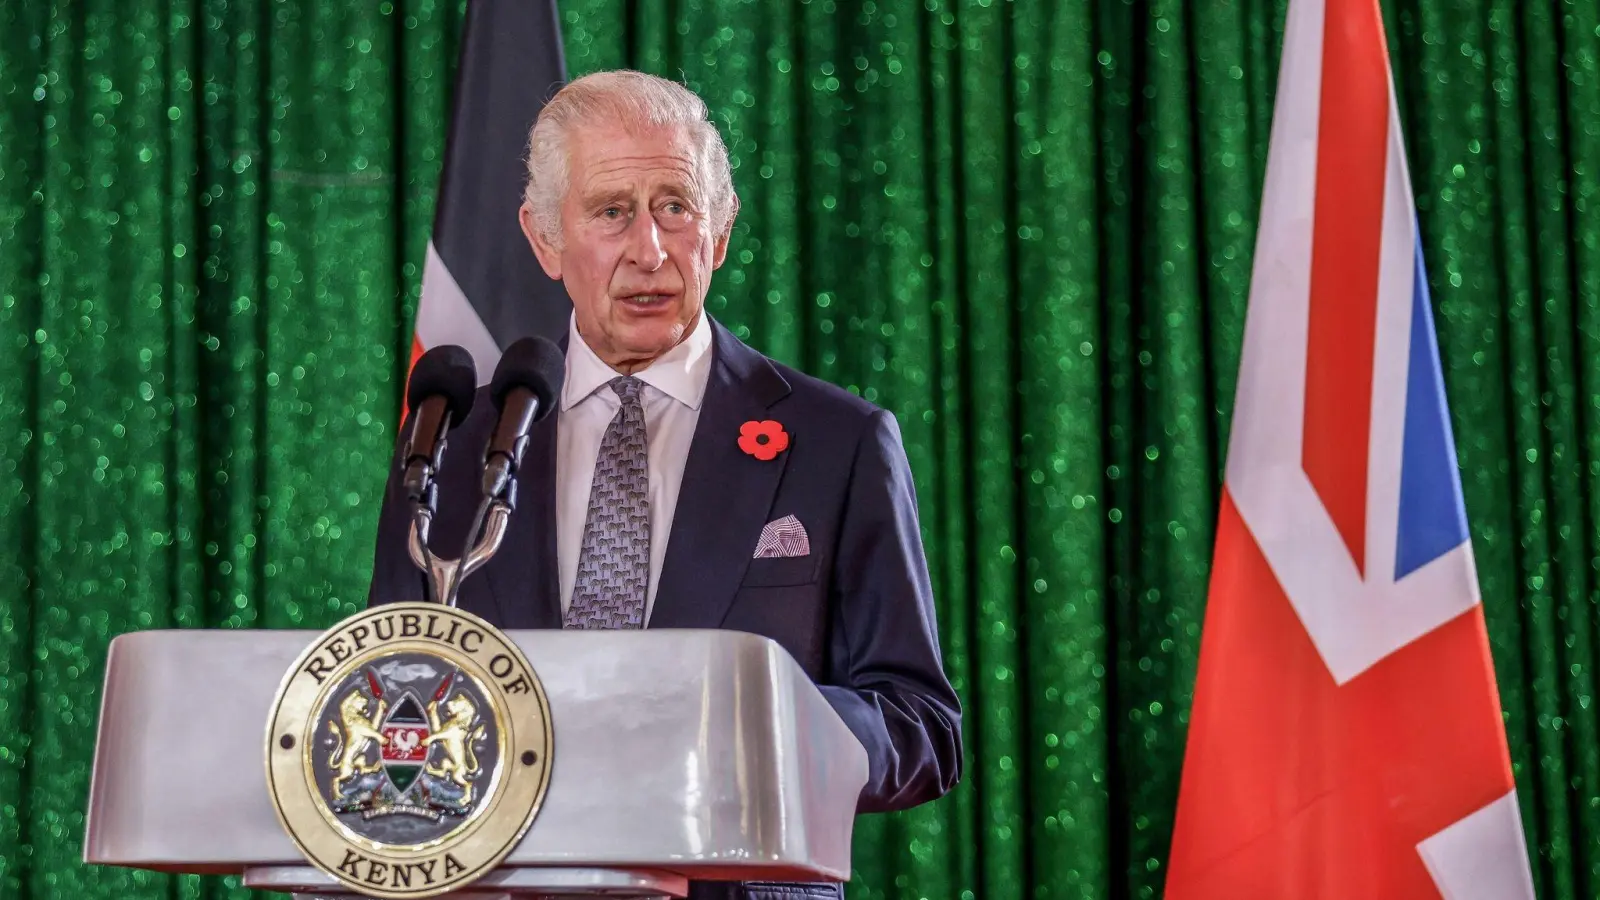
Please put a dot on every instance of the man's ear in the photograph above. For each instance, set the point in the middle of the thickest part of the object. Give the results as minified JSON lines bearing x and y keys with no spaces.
{"x":549,"y":257}
{"x":719,"y":251}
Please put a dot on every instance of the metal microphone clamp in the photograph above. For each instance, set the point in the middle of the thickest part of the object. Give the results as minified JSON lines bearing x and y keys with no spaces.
{"x":447,"y":574}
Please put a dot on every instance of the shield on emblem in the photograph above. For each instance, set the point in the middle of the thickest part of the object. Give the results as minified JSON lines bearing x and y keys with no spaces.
{"x":406,"y":742}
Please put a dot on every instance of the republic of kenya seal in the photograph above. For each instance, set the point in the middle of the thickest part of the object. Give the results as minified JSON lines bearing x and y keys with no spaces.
{"x":409,"y":750}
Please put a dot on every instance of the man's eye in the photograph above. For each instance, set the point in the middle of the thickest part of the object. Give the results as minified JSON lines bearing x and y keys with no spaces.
{"x":612,"y":212}
{"x":676,"y":208}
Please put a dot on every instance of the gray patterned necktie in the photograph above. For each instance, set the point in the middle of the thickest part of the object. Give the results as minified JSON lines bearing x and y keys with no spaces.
{"x":614,"y":562}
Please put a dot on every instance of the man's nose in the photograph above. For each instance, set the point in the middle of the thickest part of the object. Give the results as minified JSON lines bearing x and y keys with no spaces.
{"x":644,"y":243}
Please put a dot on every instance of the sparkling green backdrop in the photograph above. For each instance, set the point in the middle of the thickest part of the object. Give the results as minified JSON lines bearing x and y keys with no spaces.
{"x":1025,"y":227}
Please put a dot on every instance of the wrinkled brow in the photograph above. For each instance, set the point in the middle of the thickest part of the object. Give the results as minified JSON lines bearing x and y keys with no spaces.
{"x":622,"y":194}
{"x":597,"y":197}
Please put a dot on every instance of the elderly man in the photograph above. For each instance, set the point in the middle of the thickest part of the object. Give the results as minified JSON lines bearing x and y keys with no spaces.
{"x":649,"y":499}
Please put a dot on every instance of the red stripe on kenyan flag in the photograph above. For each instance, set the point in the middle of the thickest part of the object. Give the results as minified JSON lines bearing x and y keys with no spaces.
{"x":416,"y":354}
{"x":1352,"y":136}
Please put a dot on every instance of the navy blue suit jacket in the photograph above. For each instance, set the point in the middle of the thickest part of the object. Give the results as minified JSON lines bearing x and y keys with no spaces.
{"x":857,"y":614}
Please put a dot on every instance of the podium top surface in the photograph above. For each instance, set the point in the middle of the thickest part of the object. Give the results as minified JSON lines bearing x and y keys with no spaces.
{"x":707,"y":753}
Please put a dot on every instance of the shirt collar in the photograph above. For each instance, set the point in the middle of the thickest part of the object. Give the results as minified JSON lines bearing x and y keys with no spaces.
{"x":681,"y":373}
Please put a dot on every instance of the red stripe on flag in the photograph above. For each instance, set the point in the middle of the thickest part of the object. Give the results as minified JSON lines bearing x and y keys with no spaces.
{"x":1294,"y":786}
{"x":416,"y":354}
{"x":1352,"y":143}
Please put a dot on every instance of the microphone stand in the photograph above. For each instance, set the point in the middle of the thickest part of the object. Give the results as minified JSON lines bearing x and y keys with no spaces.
{"x":446,"y":575}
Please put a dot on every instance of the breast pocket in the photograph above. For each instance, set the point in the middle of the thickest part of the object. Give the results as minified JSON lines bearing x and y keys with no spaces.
{"x":782,"y":571}
{"x":784,"y":599}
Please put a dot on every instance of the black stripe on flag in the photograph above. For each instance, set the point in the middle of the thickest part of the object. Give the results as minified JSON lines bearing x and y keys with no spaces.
{"x":482,"y":287}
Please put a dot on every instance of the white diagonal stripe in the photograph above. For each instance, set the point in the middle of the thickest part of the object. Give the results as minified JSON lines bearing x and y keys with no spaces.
{"x":446,"y":316}
{"x":1481,"y":857}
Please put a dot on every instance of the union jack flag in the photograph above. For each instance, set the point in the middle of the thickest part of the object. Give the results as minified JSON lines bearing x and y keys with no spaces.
{"x":1346,"y":739}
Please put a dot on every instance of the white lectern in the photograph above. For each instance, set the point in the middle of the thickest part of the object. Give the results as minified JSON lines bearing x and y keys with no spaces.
{"x":677,"y":755}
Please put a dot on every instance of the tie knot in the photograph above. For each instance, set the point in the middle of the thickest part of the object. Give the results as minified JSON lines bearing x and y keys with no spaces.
{"x":627,"y":388}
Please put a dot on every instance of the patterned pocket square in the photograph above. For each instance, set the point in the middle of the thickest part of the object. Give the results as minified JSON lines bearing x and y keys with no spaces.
{"x":783,"y":538}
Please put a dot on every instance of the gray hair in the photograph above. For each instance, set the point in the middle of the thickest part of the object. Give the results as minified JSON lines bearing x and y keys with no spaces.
{"x":634,"y":99}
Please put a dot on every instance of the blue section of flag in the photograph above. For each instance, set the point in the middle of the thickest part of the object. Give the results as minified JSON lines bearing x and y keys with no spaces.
{"x":1433,"y":518}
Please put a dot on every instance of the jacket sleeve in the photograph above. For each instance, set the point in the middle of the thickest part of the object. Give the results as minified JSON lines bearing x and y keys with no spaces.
{"x":885,"y":675}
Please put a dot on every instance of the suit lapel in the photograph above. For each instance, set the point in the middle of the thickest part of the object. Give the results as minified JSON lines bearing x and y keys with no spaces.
{"x":524,"y":575}
{"x":726,"y":494}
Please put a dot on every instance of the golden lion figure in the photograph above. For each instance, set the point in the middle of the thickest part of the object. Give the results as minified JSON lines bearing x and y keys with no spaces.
{"x":360,"y":732}
{"x":455,"y":734}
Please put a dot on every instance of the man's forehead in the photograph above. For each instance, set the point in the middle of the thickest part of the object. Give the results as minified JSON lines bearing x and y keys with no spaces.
{"x":611,"y":167}
{"x":598,"y":148}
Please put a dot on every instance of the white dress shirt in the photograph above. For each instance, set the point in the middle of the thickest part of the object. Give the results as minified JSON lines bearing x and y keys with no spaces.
{"x":674,"y":386}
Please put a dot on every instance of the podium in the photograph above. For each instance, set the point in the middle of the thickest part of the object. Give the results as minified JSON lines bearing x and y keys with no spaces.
{"x":677,"y":755}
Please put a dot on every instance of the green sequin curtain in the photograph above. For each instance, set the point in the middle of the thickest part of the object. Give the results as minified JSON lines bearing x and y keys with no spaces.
{"x":1025,"y":227}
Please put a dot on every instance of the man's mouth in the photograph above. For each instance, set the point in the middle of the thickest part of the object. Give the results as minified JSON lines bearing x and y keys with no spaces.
{"x":645,"y":301}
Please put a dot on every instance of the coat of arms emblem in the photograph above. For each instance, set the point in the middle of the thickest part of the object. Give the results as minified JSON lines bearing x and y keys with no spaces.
{"x":392,"y":753}
{"x":409,"y":750}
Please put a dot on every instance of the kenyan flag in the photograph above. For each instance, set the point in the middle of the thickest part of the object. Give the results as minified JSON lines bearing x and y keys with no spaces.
{"x":482,"y":288}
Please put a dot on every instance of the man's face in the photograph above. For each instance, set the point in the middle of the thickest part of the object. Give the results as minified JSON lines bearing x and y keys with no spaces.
{"x":637,"y":242}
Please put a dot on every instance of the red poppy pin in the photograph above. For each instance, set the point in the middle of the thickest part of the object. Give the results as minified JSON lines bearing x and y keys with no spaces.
{"x":763,"y":440}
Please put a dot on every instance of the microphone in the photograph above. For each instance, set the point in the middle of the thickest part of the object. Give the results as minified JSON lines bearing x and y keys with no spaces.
{"x":524,"y":390}
{"x":444,"y":383}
